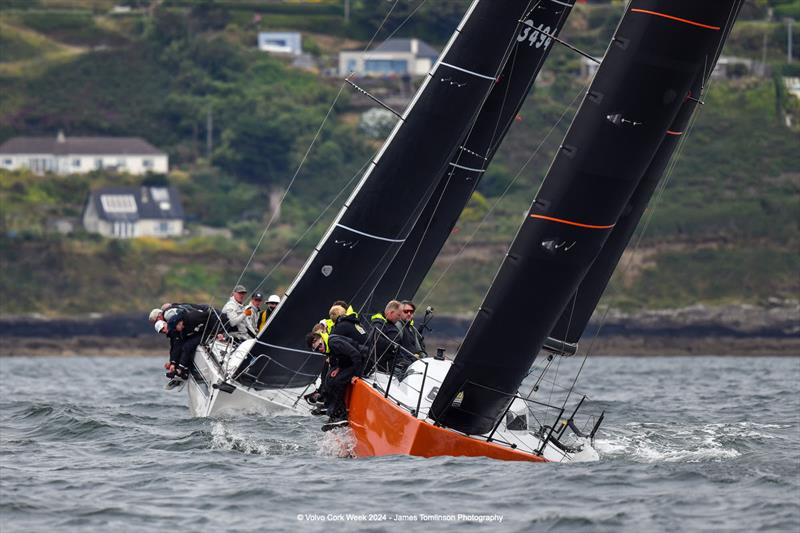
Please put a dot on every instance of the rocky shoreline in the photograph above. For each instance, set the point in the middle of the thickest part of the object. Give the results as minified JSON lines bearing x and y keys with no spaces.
{"x":740,"y":330}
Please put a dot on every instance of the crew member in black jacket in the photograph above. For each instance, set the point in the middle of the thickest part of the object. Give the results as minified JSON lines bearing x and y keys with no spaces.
{"x":386,"y":338}
{"x":349,"y":325}
{"x":345,"y":363}
{"x":193,"y":327}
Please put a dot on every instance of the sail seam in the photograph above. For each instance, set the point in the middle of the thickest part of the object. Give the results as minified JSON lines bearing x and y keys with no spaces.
{"x":571,"y":223}
{"x":678,"y":19}
{"x":369,"y":234}
{"x":565,"y":4}
{"x":478,"y":74}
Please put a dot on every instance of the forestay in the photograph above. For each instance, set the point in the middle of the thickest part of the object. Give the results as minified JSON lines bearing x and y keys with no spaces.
{"x":654,"y":57}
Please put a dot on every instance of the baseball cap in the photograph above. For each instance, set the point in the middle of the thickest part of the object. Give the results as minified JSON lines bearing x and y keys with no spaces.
{"x":239,"y":288}
{"x":274,"y":299}
{"x":160,"y":324}
{"x":257,"y":296}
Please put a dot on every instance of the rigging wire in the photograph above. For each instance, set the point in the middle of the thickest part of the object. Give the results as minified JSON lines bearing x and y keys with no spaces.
{"x":291,"y":182}
{"x":308,"y":151}
{"x":311,"y":226}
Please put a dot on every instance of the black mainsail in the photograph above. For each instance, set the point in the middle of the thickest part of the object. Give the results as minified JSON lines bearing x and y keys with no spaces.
{"x":576,"y":315}
{"x":405,"y":274}
{"x":376,"y":219}
{"x":654,"y":57}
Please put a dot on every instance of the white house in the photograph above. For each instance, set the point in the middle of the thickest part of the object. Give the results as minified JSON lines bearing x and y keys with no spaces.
{"x":128,"y":212}
{"x":281,"y":42}
{"x":78,"y":155}
{"x":394,"y":57}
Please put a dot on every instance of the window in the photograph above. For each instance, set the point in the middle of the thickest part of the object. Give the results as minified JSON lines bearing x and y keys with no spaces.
{"x":76,"y":163}
{"x":386,"y":66}
{"x":352,"y":64}
{"x":118,"y":203}
{"x":122,"y":163}
{"x":163,"y":227}
{"x":148,"y":163}
{"x":98,"y":164}
{"x":7,"y":162}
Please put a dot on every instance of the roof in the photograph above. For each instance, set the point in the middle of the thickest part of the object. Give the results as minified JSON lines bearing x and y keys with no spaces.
{"x":404,"y":45}
{"x":62,"y":145}
{"x":128,"y":204}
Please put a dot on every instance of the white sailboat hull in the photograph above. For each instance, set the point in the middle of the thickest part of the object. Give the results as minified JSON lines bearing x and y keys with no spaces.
{"x":214,"y":366}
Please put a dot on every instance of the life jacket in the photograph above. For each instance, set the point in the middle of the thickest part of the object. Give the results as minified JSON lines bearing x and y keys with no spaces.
{"x":262,"y":319}
{"x":328,"y":325}
{"x":325,"y":338}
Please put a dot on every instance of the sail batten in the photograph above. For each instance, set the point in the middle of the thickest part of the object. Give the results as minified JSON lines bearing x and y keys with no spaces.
{"x":635,"y":97}
{"x":381,"y":210}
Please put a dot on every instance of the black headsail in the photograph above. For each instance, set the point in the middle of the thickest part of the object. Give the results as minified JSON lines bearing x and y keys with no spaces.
{"x":576,"y":315}
{"x":381,"y":211}
{"x":417,"y":254}
{"x":651,"y":62}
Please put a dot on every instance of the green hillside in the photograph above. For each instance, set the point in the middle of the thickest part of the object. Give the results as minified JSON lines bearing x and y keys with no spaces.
{"x":725,"y":228}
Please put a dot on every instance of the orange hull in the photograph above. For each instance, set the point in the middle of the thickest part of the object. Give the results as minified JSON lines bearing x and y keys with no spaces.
{"x":382,"y":428}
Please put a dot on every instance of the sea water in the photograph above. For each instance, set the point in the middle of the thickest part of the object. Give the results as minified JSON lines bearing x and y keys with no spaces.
{"x":688,"y":444}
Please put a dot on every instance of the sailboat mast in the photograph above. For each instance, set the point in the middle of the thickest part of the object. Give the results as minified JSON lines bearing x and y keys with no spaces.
{"x":651,"y":62}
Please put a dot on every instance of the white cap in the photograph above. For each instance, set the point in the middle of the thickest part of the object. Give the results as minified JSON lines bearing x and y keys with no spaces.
{"x":274,"y":299}
{"x":160,"y":325}
{"x":169,"y":313}
{"x":154,"y":315}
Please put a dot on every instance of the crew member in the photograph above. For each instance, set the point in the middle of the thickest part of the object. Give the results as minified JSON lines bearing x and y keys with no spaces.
{"x":345,"y":363}
{"x":272,"y":303}
{"x":349,"y":325}
{"x":193,"y":327}
{"x":233,"y":311}
{"x":412,"y":338}
{"x":386,"y":338}
{"x":253,"y":313}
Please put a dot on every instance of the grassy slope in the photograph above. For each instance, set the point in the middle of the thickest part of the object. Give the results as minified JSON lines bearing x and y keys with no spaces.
{"x":724,"y":230}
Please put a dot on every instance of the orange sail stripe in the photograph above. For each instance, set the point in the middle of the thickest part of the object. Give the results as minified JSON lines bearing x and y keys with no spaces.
{"x":670,"y":132}
{"x":686,"y":21}
{"x":562,"y":221}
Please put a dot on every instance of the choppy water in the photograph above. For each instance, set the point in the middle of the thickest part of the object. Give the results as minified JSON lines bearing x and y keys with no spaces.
{"x":688,"y":444}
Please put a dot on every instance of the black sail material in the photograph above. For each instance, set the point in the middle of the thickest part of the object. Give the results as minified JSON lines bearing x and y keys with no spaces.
{"x":655,"y":55}
{"x":576,"y":315}
{"x":405,"y":274}
{"x":376,"y":219}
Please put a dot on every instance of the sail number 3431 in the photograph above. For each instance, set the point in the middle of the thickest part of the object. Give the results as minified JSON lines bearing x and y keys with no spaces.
{"x":535,"y":35}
